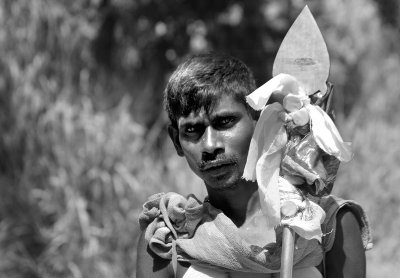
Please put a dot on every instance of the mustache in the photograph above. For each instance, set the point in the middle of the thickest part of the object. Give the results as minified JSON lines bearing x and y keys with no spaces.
{"x":218,"y":161}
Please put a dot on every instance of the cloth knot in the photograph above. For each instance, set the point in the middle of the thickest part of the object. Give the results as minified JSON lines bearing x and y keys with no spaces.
{"x":207,"y":237}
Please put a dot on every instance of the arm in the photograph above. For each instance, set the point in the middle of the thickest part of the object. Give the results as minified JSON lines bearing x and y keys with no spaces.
{"x":346,"y":259}
{"x":148,"y":265}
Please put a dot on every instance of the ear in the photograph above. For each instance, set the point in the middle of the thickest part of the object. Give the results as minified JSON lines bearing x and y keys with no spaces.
{"x":174,"y":135}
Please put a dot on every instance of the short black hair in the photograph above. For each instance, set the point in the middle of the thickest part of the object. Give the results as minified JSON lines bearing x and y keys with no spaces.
{"x":202,"y":79}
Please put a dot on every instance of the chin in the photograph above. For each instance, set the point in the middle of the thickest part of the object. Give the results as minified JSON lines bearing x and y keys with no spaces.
{"x":223,"y":183}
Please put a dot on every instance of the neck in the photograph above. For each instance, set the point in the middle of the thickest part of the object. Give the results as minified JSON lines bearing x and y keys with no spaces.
{"x":233,"y":201}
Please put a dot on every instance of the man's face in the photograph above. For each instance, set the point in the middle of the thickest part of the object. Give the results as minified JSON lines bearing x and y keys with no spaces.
{"x":216,"y":144}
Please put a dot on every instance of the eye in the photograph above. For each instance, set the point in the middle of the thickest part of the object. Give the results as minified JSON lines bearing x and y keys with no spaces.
{"x":225,"y":122}
{"x":192,"y":131}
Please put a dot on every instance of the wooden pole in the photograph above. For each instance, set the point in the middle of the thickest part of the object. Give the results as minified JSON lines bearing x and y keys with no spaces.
{"x":288,"y":209}
{"x":287,"y":252}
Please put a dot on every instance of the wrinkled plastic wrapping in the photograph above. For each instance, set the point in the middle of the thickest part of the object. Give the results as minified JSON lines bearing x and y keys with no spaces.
{"x":316,"y":171}
{"x":303,"y":160}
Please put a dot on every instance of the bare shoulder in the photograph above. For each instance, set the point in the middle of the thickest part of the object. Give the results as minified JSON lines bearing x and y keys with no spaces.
{"x":150,"y":265}
{"x":347,"y":256}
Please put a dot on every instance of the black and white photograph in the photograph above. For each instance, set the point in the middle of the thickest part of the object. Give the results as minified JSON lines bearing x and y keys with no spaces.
{"x":199,"y":138}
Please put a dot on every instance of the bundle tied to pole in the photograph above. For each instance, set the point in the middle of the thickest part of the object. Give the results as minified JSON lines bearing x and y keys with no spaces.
{"x":296,"y":148}
{"x":285,"y":155}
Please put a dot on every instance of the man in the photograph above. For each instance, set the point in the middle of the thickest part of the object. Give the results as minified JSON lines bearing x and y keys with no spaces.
{"x":211,"y":126}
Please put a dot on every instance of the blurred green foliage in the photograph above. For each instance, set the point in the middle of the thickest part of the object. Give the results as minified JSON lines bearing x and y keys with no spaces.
{"x":83,"y":139}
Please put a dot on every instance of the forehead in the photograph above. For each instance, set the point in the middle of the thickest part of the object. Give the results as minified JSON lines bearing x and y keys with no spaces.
{"x":226,"y":104}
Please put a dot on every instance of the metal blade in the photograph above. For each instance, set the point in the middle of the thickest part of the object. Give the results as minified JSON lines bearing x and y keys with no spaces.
{"x":303,"y":54}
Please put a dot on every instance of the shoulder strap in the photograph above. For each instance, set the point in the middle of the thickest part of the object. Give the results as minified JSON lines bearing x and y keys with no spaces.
{"x":174,"y":258}
{"x":332,"y":205}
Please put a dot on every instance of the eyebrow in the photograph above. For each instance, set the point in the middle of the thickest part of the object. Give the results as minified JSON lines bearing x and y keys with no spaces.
{"x":196,"y":120}
{"x":223,"y":114}
{"x":190,"y":122}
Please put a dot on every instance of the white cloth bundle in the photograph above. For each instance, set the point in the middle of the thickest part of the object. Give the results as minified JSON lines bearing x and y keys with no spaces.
{"x":270,"y":137}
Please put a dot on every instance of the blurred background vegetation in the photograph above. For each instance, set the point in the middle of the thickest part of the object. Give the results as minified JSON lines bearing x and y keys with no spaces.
{"x":83,"y":139}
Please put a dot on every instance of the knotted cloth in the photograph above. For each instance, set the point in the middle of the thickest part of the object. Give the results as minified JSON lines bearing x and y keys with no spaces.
{"x":202,"y":235}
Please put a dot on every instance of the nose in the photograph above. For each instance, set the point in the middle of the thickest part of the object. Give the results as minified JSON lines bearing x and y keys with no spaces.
{"x":212,"y":143}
